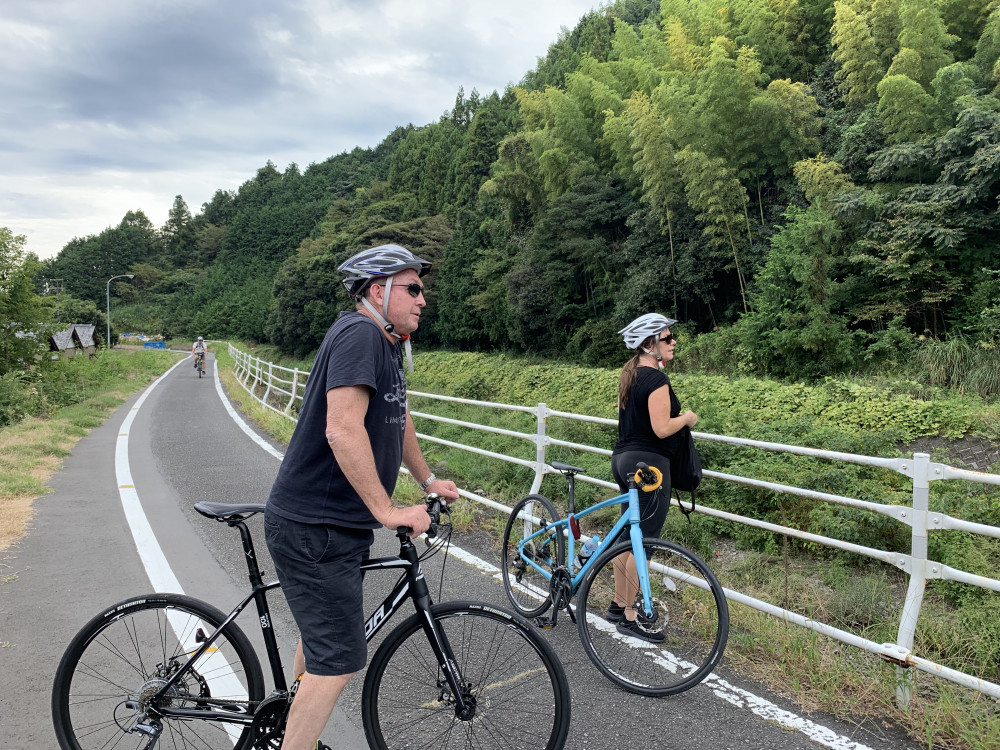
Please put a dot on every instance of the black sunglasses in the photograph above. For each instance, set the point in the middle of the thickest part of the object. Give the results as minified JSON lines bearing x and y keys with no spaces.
{"x":668,"y":339}
{"x":413,"y":288}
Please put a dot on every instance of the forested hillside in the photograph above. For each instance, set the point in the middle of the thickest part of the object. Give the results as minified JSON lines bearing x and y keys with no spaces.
{"x":810,"y":184}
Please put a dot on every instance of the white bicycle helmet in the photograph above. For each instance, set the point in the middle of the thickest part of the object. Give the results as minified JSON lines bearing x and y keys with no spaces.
{"x":643,"y":327}
{"x":378,"y":262}
{"x":383,"y":261}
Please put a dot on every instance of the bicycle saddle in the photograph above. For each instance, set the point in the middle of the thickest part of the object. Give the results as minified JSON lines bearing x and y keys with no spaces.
{"x":567,"y":468}
{"x":228,"y":511}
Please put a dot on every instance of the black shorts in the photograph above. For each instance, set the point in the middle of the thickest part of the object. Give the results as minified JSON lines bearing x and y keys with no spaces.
{"x":653,"y":506}
{"x":318,"y":566}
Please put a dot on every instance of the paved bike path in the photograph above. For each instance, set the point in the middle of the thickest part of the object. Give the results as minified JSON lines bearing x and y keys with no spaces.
{"x":79,"y":555}
{"x":184,"y":447}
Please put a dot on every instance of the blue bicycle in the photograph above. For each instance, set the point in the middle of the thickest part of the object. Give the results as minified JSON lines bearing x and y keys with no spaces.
{"x":652,"y":616}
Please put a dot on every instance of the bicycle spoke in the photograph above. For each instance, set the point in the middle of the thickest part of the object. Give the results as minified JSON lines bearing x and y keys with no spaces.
{"x":108,"y":680}
{"x":686,"y":639}
{"x":513,"y":692}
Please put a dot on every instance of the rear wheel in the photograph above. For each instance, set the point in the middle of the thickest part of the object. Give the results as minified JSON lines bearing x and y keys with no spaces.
{"x":512,"y":680}
{"x":526,"y":587}
{"x":680,"y":646}
{"x":105,"y":685}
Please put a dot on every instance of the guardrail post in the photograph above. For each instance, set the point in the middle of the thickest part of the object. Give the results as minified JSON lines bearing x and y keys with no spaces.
{"x":918,"y":574}
{"x":294,"y":389}
{"x":541,"y":413}
{"x":270,"y":381}
{"x":256,"y":377}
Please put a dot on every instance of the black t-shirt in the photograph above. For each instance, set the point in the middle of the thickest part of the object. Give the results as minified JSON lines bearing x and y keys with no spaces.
{"x":310,"y":487}
{"x":635,"y":430}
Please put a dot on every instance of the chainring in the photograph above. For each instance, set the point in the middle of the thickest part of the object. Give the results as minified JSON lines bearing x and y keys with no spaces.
{"x":268,"y":727}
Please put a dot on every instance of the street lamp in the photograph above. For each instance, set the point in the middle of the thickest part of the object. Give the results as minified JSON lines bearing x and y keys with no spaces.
{"x":108,"y":296}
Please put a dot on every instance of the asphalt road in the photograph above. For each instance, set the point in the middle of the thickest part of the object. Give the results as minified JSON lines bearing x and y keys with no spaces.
{"x":184,"y":446}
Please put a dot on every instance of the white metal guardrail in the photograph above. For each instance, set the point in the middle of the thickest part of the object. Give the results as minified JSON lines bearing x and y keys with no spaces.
{"x":278,"y":388}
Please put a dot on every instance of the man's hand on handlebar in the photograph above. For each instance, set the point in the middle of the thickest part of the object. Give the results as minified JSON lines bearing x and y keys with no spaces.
{"x":443,"y":488}
{"x":413,"y":517}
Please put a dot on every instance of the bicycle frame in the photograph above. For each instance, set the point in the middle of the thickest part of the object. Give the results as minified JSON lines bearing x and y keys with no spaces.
{"x":631,"y":519}
{"x":411,"y":586}
{"x":258,"y":594}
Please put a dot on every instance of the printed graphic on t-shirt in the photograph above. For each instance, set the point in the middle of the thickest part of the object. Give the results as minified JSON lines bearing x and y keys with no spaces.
{"x":398,"y":396}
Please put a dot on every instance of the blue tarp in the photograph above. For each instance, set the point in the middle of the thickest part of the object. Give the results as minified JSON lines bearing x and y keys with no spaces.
{"x":154,"y":345}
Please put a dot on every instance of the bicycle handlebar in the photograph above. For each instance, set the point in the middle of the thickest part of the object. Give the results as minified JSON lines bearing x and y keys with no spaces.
{"x":435,"y":507}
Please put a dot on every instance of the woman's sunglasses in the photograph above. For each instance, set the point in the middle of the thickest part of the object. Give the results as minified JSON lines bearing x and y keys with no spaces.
{"x":668,"y":339}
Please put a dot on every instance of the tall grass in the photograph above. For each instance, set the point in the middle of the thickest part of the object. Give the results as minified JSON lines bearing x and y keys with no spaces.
{"x":962,"y":365}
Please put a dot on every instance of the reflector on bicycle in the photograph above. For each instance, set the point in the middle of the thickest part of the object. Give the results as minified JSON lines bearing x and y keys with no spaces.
{"x":642,"y":479}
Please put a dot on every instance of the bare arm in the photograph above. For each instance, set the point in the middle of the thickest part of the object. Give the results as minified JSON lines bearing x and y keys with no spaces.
{"x":413,"y":459}
{"x":345,"y":422}
{"x":659,"y":414}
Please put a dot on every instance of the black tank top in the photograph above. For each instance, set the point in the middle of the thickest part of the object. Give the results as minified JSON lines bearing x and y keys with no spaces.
{"x":635,"y":430}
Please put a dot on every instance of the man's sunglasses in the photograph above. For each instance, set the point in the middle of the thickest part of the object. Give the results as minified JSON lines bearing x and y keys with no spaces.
{"x":668,"y":339}
{"x":413,"y":288}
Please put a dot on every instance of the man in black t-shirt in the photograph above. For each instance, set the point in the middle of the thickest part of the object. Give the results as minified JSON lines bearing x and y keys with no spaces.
{"x":335,"y":483}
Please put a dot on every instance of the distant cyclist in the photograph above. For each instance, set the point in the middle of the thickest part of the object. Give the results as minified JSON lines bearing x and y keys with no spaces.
{"x":198,"y":351}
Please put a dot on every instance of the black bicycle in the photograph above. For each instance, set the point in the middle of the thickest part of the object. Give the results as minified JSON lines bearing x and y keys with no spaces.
{"x":199,"y":363}
{"x":170,"y":668}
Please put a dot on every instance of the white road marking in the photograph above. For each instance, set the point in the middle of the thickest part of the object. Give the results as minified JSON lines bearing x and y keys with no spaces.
{"x":223,"y":680}
{"x":239,"y":420}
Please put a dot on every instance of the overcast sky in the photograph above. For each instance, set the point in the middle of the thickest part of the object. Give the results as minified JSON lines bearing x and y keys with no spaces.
{"x":112,"y":105}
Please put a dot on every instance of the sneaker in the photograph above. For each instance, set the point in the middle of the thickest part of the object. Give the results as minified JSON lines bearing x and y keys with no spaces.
{"x":615,"y":612}
{"x":630,"y":627}
{"x":321,"y":746}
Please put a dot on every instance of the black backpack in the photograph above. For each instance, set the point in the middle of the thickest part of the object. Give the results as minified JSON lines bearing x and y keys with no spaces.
{"x":685,"y":470}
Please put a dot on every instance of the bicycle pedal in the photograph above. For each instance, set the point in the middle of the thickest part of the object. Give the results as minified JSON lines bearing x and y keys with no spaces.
{"x":545,"y":623}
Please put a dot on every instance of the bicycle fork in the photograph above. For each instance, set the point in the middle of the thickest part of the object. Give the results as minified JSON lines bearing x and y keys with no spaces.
{"x":452,"y":682}
{"x":647,"y":615}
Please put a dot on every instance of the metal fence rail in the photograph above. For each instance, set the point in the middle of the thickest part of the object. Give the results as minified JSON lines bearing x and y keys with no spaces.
{"x":267,"y":382}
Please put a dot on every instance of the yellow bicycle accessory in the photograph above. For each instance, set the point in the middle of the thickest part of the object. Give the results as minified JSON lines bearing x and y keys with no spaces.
{"x":650,"y":487}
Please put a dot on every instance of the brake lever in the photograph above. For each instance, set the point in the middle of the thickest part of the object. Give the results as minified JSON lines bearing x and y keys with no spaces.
{"x":435,"y":507}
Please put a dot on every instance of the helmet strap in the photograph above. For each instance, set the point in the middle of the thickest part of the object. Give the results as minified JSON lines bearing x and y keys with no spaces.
{"x":655,"y":352}
{"x":385,"y":299}
{"x":379,"y":319}
{"x":389,"y":328}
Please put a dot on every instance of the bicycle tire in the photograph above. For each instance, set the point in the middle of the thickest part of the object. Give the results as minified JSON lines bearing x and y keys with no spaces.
{"x":527,"y":589}
{"x":521,"y":691}
{"x":693,"y":621}
{"x":117,"y":657}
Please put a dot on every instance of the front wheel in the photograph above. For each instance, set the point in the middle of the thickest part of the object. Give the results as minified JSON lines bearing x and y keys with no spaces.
{"x":527,"y":587}
{"x":510,"y":675}
{"x":687,"y":635}
{"x":105,"y":685}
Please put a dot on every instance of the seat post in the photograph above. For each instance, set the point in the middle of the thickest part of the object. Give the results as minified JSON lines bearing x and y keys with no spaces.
{"x":252,"y":568}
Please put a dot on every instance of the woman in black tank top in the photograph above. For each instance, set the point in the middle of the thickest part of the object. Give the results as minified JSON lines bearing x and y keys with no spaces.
{"x":649,"y":418}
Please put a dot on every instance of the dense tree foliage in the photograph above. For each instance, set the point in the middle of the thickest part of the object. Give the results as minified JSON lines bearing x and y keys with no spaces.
{"x":817,"y":176}
{"x":22,"y":313}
